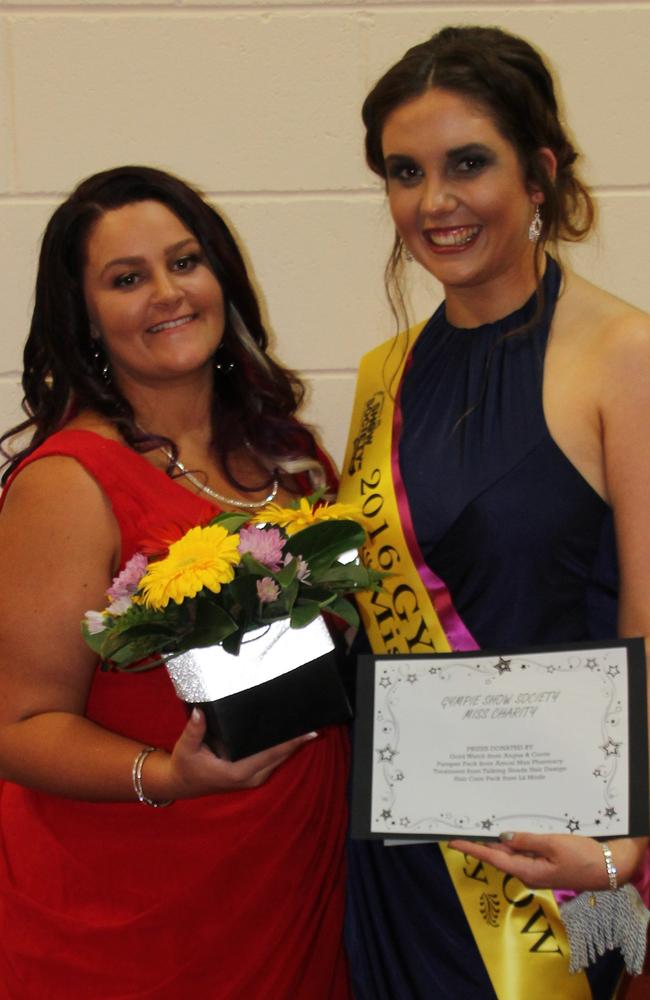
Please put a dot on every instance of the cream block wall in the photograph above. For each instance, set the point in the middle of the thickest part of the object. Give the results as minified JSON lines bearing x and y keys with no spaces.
{"x":258,"y":103}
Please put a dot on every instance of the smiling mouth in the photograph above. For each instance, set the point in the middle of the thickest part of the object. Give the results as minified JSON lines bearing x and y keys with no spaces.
{"x":459,"y":236}
{"x":171,"y":324}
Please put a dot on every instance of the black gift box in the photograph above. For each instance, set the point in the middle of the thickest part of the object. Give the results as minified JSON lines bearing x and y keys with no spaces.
{"x":306,"y":696}
{"x":301,"y":701}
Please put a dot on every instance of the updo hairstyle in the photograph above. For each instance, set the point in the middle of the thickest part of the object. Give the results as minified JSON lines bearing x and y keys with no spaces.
{"x":508,"y":78}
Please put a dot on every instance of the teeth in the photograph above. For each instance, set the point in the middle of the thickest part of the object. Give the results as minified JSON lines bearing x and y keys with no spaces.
{"x":454,"y":237}
{"x":170,"y":324}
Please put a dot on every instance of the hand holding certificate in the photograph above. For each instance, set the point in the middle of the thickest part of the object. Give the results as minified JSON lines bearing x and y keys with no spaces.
{"x":475,"y":744}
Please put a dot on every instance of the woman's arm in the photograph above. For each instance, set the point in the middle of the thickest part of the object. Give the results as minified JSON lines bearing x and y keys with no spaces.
{"x":60,"y":547}
{"x":625,"y":419}
{"x":622,"y":392}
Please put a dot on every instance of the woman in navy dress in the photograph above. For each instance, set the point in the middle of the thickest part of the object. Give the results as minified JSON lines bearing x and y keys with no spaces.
{"x":522,"y":458}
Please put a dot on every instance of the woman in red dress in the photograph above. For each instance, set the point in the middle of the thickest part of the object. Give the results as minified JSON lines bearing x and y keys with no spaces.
{"x":147,"y":351}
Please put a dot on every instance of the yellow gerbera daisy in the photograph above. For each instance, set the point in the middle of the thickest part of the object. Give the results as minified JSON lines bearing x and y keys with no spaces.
{"x":294,"y":519}
{"x":204,"y":557}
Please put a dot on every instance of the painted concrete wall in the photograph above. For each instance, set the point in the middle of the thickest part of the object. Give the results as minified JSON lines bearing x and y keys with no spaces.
{"x":258,"y":103}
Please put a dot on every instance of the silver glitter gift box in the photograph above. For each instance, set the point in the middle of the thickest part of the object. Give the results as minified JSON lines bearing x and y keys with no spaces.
{"x":283,"y":683}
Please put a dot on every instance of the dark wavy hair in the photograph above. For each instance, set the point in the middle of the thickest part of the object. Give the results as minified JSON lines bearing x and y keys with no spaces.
{"x":508,"y":78}
{"x":255,"y":399}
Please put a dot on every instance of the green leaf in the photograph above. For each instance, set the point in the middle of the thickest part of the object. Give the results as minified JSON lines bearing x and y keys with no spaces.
{"x":320,"y":595}
{"x":351,"y":577}
{"x":290,"y":594}
{"x":321,"y":544}
{"x":287,"y":574}
{"x":231,"y":521}
{"x":151,"y":636}
{"x":93,"y":639}
{"x":232,"y":642}
{"x":242,"y":594}
{"x":303,"y":613}
{"x":338,"y":573}
{"x":253,"y":566}
{"x":345,"y":610}
{"x":212,"y":625}
{"x":142,"y":648}
{"x":314,"y":497}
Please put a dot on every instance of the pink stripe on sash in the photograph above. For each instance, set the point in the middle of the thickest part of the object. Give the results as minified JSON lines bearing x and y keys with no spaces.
{"x":457,"y":634}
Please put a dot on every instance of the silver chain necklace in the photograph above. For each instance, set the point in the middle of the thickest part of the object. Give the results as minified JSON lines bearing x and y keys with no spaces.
{"x":233,"y":501}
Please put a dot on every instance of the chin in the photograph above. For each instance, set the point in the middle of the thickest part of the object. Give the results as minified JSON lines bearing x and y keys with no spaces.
{"x":456,"y":273}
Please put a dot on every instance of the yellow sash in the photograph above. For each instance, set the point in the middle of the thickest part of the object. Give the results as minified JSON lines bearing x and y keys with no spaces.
{"x":519,"y":933}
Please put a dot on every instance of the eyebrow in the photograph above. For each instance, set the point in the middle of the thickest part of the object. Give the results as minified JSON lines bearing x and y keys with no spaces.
{"x":130,"y":261}
{"x":469,"y":149}
{"x":398,"y":157}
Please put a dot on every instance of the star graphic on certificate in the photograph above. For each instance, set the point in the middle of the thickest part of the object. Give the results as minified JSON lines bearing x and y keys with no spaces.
{"x":503,"y":666}
{"x":597,"y":772}
{"x":610,"y":812}
{"x":486,"y":824}
{"x":611,"y":747}
{"x":399,"y":776}
{"x":412,"y":678}
{"x":386,"y":814}
{"x":384,"y":682}
{"x":405,"y":821}
{"x":573,"y":826}
{"x":612,"y":670}
{"x":592,"y":663}
{"x":386,"y":753}
{"x":434,"y":670}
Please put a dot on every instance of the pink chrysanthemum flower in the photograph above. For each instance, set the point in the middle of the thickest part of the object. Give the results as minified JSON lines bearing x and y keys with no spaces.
{"x":126,"y":582}
{"x":265,"y":545}
{"x":267,"y":590}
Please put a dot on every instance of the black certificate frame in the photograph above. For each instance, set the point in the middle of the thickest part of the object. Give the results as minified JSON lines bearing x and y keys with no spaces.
{"x":368,"y":665}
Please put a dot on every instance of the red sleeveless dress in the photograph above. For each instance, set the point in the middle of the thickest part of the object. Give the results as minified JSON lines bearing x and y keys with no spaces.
{"x":235,"y":896}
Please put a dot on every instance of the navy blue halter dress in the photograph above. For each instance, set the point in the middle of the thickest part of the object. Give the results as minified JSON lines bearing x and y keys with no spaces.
{"x":527,"y":550}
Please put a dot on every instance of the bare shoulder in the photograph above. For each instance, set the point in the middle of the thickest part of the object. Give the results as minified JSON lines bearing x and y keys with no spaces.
{"x":60,"y":538}
{"x":610,"y":329}
{"x":54,"y":502}
{"x":57,"y":480}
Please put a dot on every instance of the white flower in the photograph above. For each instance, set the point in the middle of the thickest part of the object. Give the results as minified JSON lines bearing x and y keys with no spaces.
{"x":95,"y":622}
{"x":119,"y":606}
{"x":302,"y":571}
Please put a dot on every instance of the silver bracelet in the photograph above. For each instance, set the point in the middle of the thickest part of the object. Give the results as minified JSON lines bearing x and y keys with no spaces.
{"x":136,"y":774}
{"x":610,"y":866}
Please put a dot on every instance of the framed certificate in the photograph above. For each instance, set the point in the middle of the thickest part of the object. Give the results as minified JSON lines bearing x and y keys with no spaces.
{"x":547,"y":740}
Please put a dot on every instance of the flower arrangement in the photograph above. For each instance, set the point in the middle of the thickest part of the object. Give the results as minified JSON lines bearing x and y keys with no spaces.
{"x":231,"y":576}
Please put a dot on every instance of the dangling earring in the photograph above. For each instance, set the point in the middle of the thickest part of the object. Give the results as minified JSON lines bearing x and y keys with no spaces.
{"x":100,"y":360}
{"x":406,"y":253}
{"x":535,"y":227}
{"x":222,"y":365}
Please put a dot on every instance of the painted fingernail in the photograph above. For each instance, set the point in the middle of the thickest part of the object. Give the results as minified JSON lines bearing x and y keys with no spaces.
{"x":196,"y":715}
{"x":311,"y":736}
{"x":508,"y":835}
